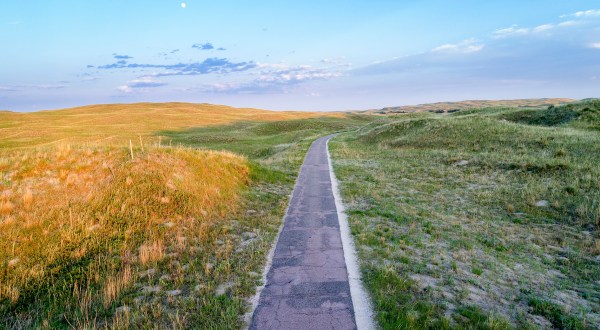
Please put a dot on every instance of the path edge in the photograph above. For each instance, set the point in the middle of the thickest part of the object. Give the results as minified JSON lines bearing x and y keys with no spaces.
{"x":363,"y":309}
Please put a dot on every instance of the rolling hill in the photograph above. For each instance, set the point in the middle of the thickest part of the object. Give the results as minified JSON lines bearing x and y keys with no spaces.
{"x":445,"y":107}
{"x":116,"y":124}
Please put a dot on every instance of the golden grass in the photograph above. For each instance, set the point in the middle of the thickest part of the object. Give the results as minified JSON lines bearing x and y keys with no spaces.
{"x":151,"y":252}
{"x":115,"y":285}
{"x":82,"y":211}
{"x":117,"y":124}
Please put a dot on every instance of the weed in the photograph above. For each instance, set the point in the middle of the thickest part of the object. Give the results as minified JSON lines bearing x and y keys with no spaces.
{"x":555,"y":314}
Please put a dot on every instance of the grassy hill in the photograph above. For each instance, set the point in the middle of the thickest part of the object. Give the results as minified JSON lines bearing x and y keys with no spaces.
{"x":173,"y":237}
{"x":483,"y":219}
{"x":445,"y":107}
{"x":116,"y":124}
{"x":83,"y":230}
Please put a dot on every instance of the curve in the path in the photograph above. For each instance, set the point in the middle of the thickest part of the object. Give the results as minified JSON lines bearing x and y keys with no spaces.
{"x":307,"y":285}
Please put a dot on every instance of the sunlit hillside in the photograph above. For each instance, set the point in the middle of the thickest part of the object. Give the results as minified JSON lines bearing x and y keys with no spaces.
{"x":96,"y":234}
{"x":116,"y":124}
{"x":78,"y":226}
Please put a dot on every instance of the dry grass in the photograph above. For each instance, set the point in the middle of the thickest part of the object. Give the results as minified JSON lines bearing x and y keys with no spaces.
{"x":115,"y":285}
{"x":116,"y":124}
{"x":71,"y":217}
{"x":151,"y":252}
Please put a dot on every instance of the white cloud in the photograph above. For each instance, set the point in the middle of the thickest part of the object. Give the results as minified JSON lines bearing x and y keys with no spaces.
{"x":543,"y":28}
{"x":515,"y":31}
{"x":125,"y":89}
{"x":567,"y":23}
{"x":510,"y":32}
{"x":595,"y":45}
{"x":141,"y":83}
{"x":584,"y":13}
{"x":464,"y":47}
{"x":275,"y":78}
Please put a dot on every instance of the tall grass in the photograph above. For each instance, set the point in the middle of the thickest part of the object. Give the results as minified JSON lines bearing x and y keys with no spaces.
{"x":77,"y":225}
{"x":170,"y":239}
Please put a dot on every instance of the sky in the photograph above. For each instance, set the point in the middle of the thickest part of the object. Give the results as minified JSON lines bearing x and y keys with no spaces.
{"x":295,"y":55}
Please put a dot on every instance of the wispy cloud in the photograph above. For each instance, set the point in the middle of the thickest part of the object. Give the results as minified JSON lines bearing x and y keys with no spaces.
{"x":274,"y":78}
{"x":567,"y":23}
{"x":463,"y":47}
{"x":595,"y":45}
{"x":210,"y":65}
{"x":145,"y":82}
{"x":293,"y":74}
{"x":543,"y":28}
{"x":140,"y":84}
{"x":584,"y":13}
{"x":510,"y":32}
{"x":205,"y":46}
{"x":90,"y":78}
{"x":19,"y":87}
{"x":580,"y":17}
{"x":337,"y":61}
{"x":122,"y":57}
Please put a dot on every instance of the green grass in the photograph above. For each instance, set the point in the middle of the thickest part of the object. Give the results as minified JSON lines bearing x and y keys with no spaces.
{"x":584,"y":115}
{"x":483,"y":219}
{"x":278,"y":146}
{"x":460,"y":219}
{"x":198,"y":257}
{"x":555,"y":314}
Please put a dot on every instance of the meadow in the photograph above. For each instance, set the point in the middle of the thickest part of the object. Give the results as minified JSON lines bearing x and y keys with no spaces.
{"x":116,"y":124}
{"x":161,"y":215}
{"x":481,"y":219}
{"x":174,"y":237}
{"x":451,"y":107}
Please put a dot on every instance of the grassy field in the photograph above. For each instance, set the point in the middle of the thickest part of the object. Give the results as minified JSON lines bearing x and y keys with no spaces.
{"x":479,"y":219}
{"x":174,"y":238}
{"x":483,"y":219}
{"x":445,"y":107}
{"x":116,"y":124}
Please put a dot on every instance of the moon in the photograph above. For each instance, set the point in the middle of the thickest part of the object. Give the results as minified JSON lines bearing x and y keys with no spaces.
{"x":183,"y":5}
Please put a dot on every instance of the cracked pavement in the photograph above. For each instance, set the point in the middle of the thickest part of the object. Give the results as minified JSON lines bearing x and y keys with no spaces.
{"x":307,"y":285}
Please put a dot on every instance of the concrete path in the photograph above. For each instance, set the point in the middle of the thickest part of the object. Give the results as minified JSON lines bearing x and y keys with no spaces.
{"x":307,"y":286}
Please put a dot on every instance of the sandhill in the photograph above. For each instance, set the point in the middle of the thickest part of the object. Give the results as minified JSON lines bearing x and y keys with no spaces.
{"x":443,"y":107}
{"x":116,"y":124}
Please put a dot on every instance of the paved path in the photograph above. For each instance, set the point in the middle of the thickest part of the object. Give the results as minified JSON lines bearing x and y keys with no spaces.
{"x":307,"y":286}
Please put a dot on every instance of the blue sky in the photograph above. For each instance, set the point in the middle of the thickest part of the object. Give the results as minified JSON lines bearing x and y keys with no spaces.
{"x":300,"y":55}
